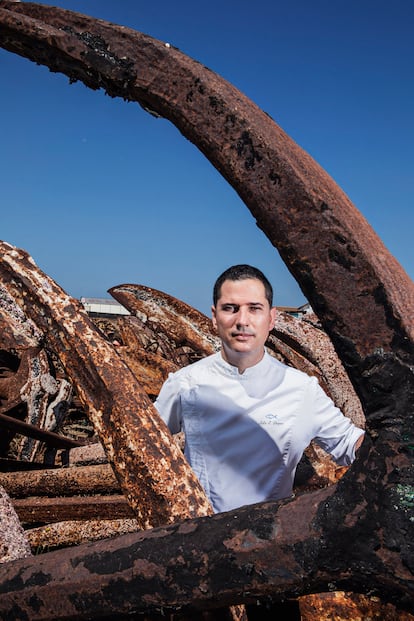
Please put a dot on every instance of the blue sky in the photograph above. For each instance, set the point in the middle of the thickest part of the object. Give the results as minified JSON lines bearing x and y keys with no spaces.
{"x":101,"y":193}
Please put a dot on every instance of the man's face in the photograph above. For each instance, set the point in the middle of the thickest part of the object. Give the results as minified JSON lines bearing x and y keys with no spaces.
{"x":243,"y":319}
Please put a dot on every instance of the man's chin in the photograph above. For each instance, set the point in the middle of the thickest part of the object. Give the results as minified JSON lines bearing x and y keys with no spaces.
{"x":242,"y":347}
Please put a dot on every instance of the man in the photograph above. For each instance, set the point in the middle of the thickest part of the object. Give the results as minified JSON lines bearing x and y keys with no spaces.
{"x":247,"y":417}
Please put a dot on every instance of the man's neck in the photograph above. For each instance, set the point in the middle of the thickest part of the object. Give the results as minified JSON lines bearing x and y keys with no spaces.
{"x":241,"y":360}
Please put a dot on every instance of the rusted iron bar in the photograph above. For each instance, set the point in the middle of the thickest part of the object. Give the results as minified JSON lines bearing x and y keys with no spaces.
{"x":61,"y":482}
{"x":151,"y":470}
{"x":200,"y":563}
{"x":75,"y":532}
{"x":15,"y":465}
{"x":41,"y":509}
{"x":32,"y":431}
{"x":93,"y":454}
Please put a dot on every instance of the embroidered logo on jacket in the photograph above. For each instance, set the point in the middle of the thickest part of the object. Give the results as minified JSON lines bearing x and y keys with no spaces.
{"x":270,"y":419}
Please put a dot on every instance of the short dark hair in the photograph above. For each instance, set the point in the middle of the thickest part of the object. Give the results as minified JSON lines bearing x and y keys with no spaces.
{"x":242,"y":272}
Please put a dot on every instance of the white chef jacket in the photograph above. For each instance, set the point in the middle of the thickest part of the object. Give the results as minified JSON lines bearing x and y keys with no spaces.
{"x":245,"y":433}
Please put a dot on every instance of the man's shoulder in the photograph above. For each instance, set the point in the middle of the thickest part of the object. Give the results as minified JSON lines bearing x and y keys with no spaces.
{"x":195,"y":368}
{"x":292,"y":372}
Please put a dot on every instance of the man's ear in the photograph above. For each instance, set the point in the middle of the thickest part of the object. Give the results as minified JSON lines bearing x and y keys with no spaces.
{"x":273,"y":316}
{"x":213,"y":317}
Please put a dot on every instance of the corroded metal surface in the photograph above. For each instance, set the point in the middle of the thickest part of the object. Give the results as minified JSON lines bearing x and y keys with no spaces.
{"x":178,"y":331}
{"x":14,"y":543}
{"x":14,"y":372}
{"x":149,"y":366}
{"x":342,"y":606}
{"x":75,"y":532}
{"x":29,"y":431}
{"x":314,"y":348}
{"x":261,"y":552}
{"x":33,"y":402}
{"x":93,"y":454}
{"x":42,"y":395}
{"x":224,"y":558}
{"x":138,"y":348}
{"x":147,"y":463}
{"x":82,"y":480}
{"x":41,"y":509}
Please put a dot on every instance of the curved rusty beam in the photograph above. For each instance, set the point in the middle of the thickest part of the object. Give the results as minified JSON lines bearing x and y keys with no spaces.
{"x":174,"y":324}
{"x":312,"y":344}
{"x":147,"y":462}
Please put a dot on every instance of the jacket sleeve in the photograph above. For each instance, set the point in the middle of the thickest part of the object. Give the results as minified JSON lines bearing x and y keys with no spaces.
{"x":168,"y":403}
{"x":334,"y":432}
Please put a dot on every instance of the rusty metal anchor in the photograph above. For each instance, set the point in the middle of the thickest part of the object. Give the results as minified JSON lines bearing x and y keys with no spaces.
{"x":358,"y":535}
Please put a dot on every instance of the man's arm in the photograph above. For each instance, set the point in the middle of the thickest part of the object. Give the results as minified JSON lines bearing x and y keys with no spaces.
{"x":168,"y":404}
{"x":335,"y":432}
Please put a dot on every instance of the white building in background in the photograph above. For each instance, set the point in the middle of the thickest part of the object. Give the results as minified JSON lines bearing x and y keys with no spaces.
{"x":102,"y":307}
{"x":296,"y":311}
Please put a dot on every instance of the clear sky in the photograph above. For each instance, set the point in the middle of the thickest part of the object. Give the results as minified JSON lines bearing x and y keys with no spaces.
{"x":100,"y":193}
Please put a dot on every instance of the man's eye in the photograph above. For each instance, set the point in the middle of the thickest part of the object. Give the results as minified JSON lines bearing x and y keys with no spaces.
{"x":230,"y":308}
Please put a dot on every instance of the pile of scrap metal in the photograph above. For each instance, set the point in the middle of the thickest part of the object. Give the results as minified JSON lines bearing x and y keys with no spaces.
{"x":357,"y":534}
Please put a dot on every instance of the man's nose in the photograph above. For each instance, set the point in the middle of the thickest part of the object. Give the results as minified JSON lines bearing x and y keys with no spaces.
{"x":242,"y":317}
